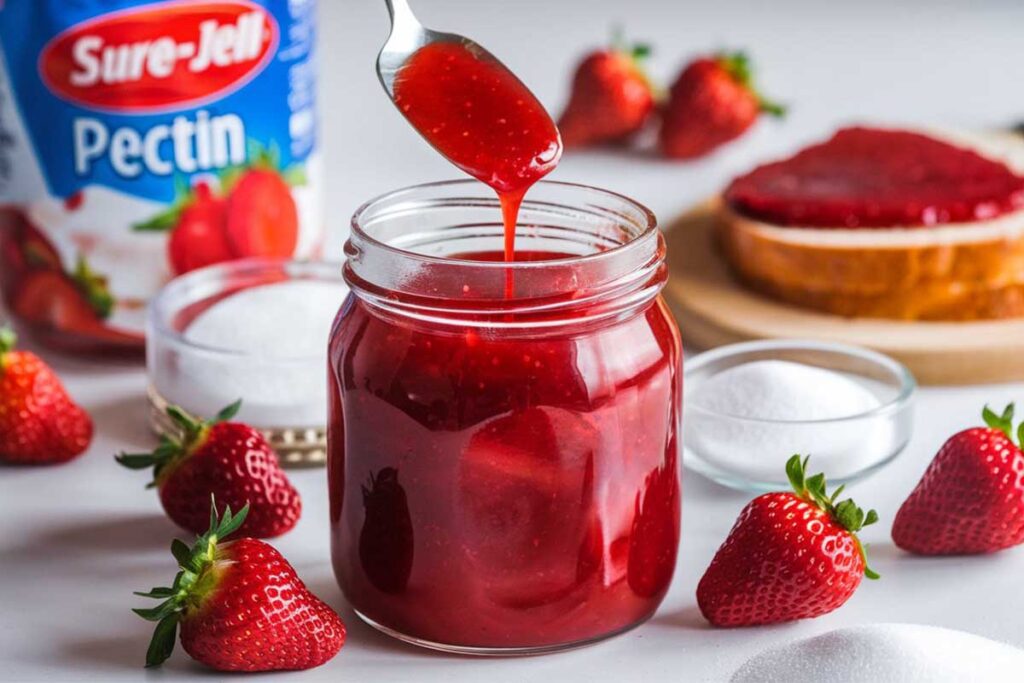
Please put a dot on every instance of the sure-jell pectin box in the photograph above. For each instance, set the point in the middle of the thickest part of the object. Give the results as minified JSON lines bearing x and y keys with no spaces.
{"x":142,"y":140}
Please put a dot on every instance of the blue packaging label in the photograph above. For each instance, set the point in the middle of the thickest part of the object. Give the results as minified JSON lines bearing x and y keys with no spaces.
{"x":122,"y":121}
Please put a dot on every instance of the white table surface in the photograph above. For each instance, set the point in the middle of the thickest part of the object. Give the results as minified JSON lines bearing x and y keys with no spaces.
{"x":76,"y":540}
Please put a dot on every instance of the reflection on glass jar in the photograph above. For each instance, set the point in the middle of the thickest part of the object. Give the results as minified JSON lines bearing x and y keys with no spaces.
{"x":503,"y":437}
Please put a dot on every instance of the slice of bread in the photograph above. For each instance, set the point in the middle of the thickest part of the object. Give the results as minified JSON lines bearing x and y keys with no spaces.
{"x":967,"y":271}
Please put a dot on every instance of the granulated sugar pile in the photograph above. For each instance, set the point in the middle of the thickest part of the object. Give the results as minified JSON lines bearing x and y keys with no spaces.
{"x":887,"y":653}
{"x":264,"y":324}
{"x":787,"y":401}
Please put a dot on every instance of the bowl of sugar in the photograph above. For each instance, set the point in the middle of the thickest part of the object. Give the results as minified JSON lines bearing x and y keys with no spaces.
{"x":255,"y":330}
{"x":749,"y":407}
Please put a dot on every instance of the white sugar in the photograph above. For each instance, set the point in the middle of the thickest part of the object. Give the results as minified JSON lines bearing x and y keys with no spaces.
{"x":784,"y":399}
{"x":290,"y":318}
{"x":281,"y":332}
{"x":887,"y":653}
{"x":781,"y":390}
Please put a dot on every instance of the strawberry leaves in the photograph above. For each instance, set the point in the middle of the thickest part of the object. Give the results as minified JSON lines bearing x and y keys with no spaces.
{"x":1004,"y":423}
{"x":173,"y":448}
{"x":167,"y":220}
{"x":162,"y":644}
{"x":846,"y":513}
{"x":94,"y":287}
{"x":195,"y":579}
{"x":636,"y":51}
{"x":740,"y":69}
{"x":265,"y":158}
{"x":8,"y":340}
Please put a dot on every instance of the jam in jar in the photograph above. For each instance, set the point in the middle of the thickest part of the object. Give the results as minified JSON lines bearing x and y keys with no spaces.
{"x":503,"y":436}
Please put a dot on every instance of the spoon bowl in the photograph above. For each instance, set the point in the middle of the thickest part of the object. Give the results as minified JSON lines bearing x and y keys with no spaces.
{"x":407,"y":37}
{"x":467,"y":105}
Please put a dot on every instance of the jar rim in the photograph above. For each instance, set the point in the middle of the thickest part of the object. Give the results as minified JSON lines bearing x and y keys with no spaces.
{"x":649,"y":218}
{"x":423,"y":252}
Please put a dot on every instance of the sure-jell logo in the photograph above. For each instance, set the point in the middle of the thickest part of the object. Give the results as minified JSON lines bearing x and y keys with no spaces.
{"x":159,"y":57}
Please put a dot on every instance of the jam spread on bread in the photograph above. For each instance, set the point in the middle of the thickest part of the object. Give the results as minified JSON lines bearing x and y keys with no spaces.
{"x":873,"y":178}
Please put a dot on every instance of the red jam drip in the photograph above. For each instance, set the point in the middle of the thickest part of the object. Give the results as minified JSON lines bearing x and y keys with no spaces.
{"x":476,"y":112}
{"x":868,"y":178}
{"x":523,"y":255}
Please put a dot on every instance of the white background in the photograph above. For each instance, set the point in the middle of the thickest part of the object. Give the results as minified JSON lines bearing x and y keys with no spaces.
{"x":76,"y":540}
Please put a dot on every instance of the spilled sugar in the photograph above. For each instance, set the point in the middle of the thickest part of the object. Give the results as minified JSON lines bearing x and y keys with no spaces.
{"x":887,"y":653}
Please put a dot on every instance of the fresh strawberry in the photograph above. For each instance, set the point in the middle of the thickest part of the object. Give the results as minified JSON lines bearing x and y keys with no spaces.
{"x":23,"y":248}
{"x":63,"y":302}
{"x":39,"y":422}
{"x":199,"y":238}
{"x":240,"y":606}
{"x":58,"y":310}
{"x":229,"y":460}
{"x":971,"y":498}
{"x":711,"y":103}
{"x":789,"y":556}
{"x":50,"y":298}
{"x":262,"y":219}
{"x":611,"y":98}
{"x":33,"y":248}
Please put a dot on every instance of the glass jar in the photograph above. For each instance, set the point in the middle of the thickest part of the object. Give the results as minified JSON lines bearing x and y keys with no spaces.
{"x":503,"y":437}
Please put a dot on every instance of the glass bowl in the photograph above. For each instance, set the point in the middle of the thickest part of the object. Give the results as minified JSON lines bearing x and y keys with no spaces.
{"x":749,"y":452}
{"x":276,"y":365}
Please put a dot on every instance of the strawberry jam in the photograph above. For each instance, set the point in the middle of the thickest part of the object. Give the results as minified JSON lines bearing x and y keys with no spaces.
{"x":503,"y":471}
{"x":869,"y":178}
{"x":476,"y":113}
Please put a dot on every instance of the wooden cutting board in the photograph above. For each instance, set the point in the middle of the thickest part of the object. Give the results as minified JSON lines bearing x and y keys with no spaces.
{"x":714,"y":310}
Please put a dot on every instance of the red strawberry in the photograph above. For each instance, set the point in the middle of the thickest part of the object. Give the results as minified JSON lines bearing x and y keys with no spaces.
{"x":711,"y":103}
{"x":64,"y":312}
{"x":32,"y":247}
{"x":262,"y":219}
{"x":229,"y":460}
{"x":240,"y":607}
{"x":39,"y":422}
{"x":971,"y":498}
{"x":199,"y":238}
{"x":51,"y":299}
{"x":23,"y":248}
{"x":611,"y":98}
{"x":789,"y":556}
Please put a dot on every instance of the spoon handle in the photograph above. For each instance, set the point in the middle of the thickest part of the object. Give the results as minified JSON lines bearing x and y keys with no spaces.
{"x":399,"y":11}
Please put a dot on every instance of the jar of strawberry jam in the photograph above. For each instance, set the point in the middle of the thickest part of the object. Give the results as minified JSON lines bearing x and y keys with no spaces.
{"x":503,"y":437}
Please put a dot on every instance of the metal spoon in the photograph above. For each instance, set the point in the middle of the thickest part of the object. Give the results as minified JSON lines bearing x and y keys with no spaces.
{"x":524,"y":158}
{"x":408,"y":35}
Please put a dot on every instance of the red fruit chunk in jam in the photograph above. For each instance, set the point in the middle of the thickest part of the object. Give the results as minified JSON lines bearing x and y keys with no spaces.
{"x":651,"y":558}
{"x":869,"y":178}
{"x":524,"y":480}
